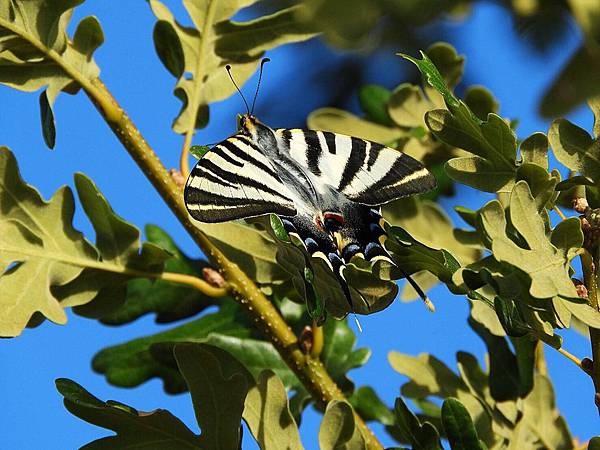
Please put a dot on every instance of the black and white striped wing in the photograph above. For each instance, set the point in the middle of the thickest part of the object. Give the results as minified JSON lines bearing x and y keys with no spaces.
{"x":366,"y":172}
{"x":233,"y":181}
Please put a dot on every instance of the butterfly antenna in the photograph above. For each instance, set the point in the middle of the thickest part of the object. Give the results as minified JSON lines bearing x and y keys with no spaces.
{"x":428,"y":303}
{"x":228,"y":67}
{"x":262,"y":63}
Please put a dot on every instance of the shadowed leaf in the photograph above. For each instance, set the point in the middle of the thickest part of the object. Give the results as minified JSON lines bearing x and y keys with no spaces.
{"x":459,"y":426}
{"x":153,"y":430}
{"x":218,"y":384}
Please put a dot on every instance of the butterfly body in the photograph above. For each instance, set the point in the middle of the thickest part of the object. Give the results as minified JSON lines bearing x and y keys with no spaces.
{"x":326,"y":187}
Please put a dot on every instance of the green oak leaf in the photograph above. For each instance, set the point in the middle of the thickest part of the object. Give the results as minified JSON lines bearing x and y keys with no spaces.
{"x":48,"y":266}
{"x":409,"y":429}
{"x":428,"y":224}
{"x":134,"y":362}
{"x":532,"y":422}
{"x":197,"y":55}
{"x":459,"y":426}
{"x":218,"y":384}
{"x":267,"y":414}
{"x":413,"y":256}
{"x":36,"y":52}
{"x":343,"y":122}
{"x":545,"y":259}
{"x":542,"y":417}
{"x":251,"y":247}
{"x":575,"y":148}
{"x":169,"y":301}
{"x":338,"y":430}
{"x":154,"y":430}
{"x":369,"y":406}
{"x":492,"y":142}
{"x":373,"y":101}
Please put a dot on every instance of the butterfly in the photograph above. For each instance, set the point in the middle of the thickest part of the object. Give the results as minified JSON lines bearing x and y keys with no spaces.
{"x":327,"y":188}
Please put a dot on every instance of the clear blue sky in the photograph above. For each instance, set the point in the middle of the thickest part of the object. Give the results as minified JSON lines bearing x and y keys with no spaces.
{"x":32,"y":414}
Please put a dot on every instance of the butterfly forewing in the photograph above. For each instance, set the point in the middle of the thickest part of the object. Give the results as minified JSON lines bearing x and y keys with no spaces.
{"x":365,"y":172}
{"x":235,"y":180}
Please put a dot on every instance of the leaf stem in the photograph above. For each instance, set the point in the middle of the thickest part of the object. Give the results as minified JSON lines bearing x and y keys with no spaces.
{"x":559,"y":212}
{"x":200,"y":64}
{"x":540,"y":359}
{"x":318,"y":340}
{"x":572,"y":357}
{"x":589,"y":265}
{"x":267,"y":318}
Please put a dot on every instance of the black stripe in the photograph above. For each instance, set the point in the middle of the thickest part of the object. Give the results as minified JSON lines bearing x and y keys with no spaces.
{"x":241,"y":154}
{"x":219,"y":151}
{"x":373,"y":154}
{"x":286,"y":137}
{"x":330,"y":141}
{"x":195,"y":196}
{"x":238,"y":179}
{"x":355,"y":162}
{"x":201,"y":172}
{"x":313,"y":151}
{"x":403,"y":167}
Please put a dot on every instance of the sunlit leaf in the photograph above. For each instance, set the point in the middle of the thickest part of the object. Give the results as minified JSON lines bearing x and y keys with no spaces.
{"x":35,"y":51}
{"x":267,"y":413}
{"x":338,"y":430}
{"x":50,"y":265}
{"x":197,"y":55}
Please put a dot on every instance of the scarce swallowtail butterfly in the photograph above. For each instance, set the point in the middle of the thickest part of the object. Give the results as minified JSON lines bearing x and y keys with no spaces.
{"x":327,"y":188}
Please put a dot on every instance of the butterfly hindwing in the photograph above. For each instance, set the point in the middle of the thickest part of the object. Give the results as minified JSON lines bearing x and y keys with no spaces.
{"x":365,"y":172}
{"x":235,"y":180}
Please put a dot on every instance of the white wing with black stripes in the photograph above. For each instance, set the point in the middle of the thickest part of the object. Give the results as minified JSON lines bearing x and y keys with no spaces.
{"x":234,"y":180}
{"x":365,"y":172}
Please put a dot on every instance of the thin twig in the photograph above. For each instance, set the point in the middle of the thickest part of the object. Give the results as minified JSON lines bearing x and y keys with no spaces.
{"x":559,"y":212}
{"x":572,"y":357}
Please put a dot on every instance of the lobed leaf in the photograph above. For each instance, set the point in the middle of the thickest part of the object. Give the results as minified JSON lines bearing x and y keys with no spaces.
{"x":156,"y":430}
{"x":338,"y":430}
{"x":169,"y":301}
{"x":218,"y":384}
{"x":267,"y":413}
{"x":491,"y":142}
{"x":47,"y":265}
{"x":197,"y":55}
{"x":36,"y":52}
{"x":575,"y":148}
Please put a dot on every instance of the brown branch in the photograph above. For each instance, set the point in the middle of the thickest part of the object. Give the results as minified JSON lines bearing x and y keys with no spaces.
{"x":589,"y":266}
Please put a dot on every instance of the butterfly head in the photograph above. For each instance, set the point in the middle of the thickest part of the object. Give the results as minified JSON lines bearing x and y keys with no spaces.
{"x":257,"y":131}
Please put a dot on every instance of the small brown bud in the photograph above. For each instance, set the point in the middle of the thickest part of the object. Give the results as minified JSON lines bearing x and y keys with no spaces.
{"x":306,"y":340}
{"x":177,"y":177}
{"x":582,"y":291}
{"x":213,"y":277}
{"x":580,"y":204}
{"x":597,"y":399}
{"x":587,"y":365}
